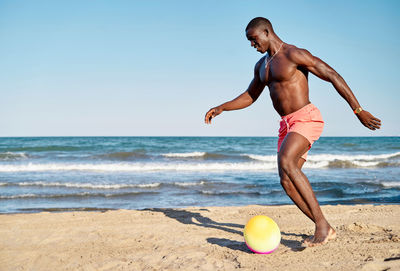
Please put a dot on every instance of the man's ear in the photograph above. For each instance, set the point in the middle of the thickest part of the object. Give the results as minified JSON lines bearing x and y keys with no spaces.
{"x":266,"y":32}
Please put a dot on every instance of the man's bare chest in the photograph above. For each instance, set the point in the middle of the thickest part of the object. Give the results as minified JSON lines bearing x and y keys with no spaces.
{"x":278,"y":70}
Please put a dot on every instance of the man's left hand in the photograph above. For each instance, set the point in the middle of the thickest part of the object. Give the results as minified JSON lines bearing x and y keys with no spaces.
{"x":368,"y":120}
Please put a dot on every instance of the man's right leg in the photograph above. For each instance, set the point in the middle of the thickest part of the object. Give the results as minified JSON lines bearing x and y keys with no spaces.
{"x":286,"y":183}
{"x":292,"y":192}
{"x":293,"y":146}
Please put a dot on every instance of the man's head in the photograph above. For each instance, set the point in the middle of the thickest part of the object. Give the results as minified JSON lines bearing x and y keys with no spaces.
{"x":258,"y":32}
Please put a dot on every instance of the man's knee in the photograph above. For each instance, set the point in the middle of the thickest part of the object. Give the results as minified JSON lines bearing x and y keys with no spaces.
{"x":286,"y":163}
{"x":286,"y":182}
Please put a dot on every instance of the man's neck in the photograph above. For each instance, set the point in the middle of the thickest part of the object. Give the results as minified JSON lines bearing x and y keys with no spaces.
{"x":274,"y":46}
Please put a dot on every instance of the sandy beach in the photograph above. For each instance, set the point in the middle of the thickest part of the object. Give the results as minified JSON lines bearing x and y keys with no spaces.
{"x":208,"y":238}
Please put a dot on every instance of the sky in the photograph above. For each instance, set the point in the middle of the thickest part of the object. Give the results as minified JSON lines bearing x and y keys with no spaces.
{"x":154,"y":68}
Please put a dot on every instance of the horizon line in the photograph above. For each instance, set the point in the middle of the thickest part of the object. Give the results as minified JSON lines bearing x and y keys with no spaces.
{"x":43,"y":136}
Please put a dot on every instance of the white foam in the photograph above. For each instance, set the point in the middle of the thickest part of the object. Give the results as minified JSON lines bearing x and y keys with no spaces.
{"x":359,"y":157}
{"x":137,"y":167}
{"x":319,"y":164}
{"x":82,"y":194}
{"x":18,"y":196}
{"x":266,"y":158}
{"x":391,"y":184}
{"x":90,"y":185}
{"x":51,"y":195}
{"x":208,"y":192}
{"x":148,"y":185}
{"x":189,"y":184}
{"x":329,"y":157}
{"x":265,"y":163}
{"x":184,"y":154}
{"x":12,"y":155}
{"x":365,"y":164}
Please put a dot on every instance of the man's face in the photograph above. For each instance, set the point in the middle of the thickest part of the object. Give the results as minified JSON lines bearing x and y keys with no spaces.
{"x":258,"y":39}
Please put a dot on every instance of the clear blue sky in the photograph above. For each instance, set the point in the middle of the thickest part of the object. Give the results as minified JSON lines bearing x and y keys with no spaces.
{"x":153,"y":68}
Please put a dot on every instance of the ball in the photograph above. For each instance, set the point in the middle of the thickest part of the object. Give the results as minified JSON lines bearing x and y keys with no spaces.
{"x":262,"y":234}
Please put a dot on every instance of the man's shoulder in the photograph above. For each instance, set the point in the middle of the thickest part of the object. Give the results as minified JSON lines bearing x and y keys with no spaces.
{"x":292,"y":49}
{"x":293,"y":52}
{"x":300,"y":56}
{"x":259,"y":62}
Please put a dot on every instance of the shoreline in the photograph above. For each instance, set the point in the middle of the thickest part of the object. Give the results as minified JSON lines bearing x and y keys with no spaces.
{"x":197,"y":238}
{"x":102,"y":210}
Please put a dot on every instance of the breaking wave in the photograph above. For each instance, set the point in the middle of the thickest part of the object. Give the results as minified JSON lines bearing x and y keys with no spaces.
{"x":138,"y":167}
{"x":82,"y":185}
{"x":12,"y":156}
{"x":342,"y":161}
{"x":102,"y":186}
{"x":76,"y":195}
{"x":184,"y":154}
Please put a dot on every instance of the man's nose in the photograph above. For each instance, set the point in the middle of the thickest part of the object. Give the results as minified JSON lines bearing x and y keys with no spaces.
{"x":252,"y":43}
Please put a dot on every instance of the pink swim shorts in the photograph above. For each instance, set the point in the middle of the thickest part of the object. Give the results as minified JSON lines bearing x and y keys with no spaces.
{"x":306,"y":121}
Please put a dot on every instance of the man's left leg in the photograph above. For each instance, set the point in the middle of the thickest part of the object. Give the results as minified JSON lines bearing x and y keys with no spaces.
{"x":293,"y":146}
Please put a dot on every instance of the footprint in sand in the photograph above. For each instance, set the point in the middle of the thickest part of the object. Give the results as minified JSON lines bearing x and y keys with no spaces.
{"x":365,"y":228}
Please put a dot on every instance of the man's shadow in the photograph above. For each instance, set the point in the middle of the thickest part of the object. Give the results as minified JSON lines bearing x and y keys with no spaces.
{"x":195,"y":218}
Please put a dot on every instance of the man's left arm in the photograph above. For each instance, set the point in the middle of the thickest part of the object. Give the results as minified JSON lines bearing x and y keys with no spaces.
{"x":302,"y":57}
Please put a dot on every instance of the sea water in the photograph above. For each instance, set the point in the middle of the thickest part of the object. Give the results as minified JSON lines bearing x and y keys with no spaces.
{"x":89,"y":173}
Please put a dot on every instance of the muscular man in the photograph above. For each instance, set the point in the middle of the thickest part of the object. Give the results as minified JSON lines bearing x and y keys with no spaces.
{"x":285,"y":71}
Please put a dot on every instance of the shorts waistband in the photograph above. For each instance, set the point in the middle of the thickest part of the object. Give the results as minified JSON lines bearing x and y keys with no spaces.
{"x":306,"y":108}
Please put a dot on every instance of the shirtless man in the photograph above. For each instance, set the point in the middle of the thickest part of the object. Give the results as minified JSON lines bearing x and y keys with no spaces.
{"x":285,"y":71}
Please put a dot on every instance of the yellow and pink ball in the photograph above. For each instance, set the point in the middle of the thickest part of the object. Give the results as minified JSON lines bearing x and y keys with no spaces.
{"x":262,"y":234}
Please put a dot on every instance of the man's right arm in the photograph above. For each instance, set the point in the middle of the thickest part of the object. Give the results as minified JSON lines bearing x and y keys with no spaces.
{"x":243,"y":100}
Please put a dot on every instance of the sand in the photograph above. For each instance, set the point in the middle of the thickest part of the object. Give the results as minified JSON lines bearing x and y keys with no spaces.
{"x":208,"y":238}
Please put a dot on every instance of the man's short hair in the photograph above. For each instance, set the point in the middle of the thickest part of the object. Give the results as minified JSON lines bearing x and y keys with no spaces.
{"x":260,"y":22}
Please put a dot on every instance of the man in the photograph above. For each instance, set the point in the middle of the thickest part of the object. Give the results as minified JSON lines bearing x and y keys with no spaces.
{"x":285,"y":71}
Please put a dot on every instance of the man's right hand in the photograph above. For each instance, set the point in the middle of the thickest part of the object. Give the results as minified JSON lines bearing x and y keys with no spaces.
{"x":213,"y":112}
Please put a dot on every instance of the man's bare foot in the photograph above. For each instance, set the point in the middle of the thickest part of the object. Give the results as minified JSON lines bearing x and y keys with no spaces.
{"x":321,"y":237}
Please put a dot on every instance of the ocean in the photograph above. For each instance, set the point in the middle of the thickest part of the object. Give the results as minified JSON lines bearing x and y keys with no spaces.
{"x":100,"y":173}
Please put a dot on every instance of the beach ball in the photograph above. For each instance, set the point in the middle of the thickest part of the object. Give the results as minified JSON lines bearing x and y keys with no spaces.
{"x":262,"y":234}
